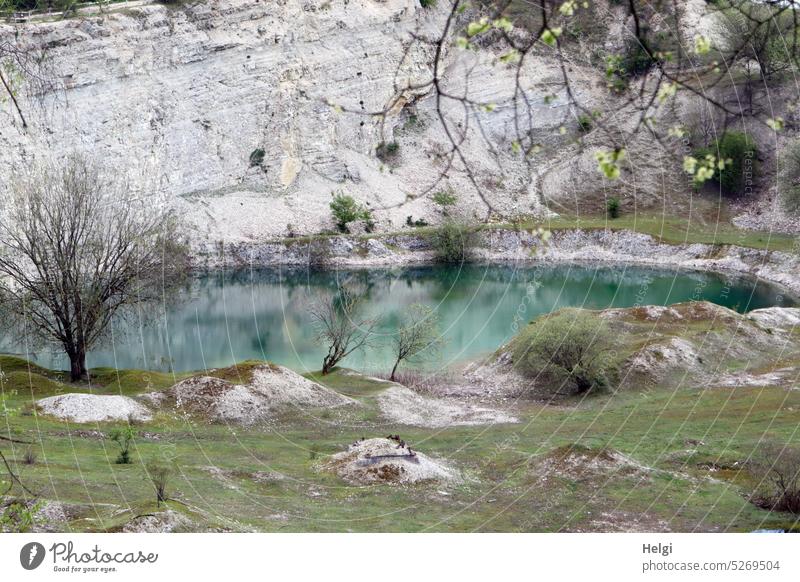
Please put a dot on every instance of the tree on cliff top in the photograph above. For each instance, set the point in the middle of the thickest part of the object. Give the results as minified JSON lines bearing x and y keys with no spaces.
{"x":78,"y":248}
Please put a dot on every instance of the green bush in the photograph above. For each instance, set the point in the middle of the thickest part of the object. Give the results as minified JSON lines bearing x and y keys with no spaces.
{"x":257,"y":157}
{"x":453,"y":242}
{"x":345,"y":210}
{"x":124,"y":438}
{"x":790,"y":178}
{"x":427,"y":3}
{"x":410,"y":221}
{"x":738,"y":176}
{"x":612,"y":207}
{"x":572,"y":348}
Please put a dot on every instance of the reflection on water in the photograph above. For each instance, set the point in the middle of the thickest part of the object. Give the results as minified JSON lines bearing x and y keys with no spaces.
{"x":224,"y":318}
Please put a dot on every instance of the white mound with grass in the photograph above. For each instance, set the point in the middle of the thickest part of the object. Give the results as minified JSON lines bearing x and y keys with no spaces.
{"x":271,"y":388}
{"x":282,"y":386}
{"x":384,"y":460}
{"x":657,"y":358}
{"x":401,"y":405}
{"x":94,"y":408}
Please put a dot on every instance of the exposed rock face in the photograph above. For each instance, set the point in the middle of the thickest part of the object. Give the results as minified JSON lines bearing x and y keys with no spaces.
{"x":94,"y":408}
{"x":226,"y":107}
{"x":271,"y":389}
{"x":402,"y":405}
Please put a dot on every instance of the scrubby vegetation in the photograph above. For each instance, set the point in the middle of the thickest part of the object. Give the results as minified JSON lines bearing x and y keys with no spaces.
{"x":572,"y":351}
{"x":123,"y":438}
{"x":415,"y":222}
{"x":159,"y":474}
{"x":387,"y":152}
{"x":612,"y":207}
{"x":445,"y":199}
{"x":739,"y":155}
{"x":346,"y":210}
{"x":777,"y":468}
{"x":257,"y":157}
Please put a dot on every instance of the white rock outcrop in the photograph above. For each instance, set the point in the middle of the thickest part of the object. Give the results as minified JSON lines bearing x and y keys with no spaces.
{"x":226,"y":107}
{"x":82,"y":408}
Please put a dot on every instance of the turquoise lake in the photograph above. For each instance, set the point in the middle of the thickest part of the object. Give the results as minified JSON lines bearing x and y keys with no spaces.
{"x":222,"y":318}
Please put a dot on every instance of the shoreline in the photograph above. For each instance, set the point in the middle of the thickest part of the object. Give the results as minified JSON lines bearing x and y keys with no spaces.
{"x":778,"y":268}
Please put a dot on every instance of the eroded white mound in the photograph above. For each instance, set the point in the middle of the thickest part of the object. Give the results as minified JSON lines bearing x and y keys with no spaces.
{"x":383,"y":460}
{"x":94,"y":408}
{"x":401,"y":405}
{"x":271,"y":388}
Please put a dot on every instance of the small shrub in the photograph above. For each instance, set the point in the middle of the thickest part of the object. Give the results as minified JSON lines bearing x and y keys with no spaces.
{"x":570,"y":348}
{"x":159,"y":474}
{"x":778,"y":469}
{"x":584,"y":123}
{"x":387,"y":152}
{"x":29,"y":458}
{"x":19,"y":516}
{"x":444,"y":199}
{"x":633,"y":62}
{"x":737,"y":178}
{"x":410,"y":221}
{"x":453,"y":242}
{"x":790,"y":178}
{"x":123,"y":437}
{"x":427,"y":3}
{"x":257,"y":157}
{"x":612,"y":207}
{"x":345,"y":210}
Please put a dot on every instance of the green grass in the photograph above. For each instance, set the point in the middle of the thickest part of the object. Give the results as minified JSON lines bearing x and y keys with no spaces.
{"x":674,"y":230}
{"x":666,"y":229}
{"x":267,"y":479}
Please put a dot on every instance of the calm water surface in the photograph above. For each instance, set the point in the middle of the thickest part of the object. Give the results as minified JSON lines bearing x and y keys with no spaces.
{"x":227,"y":317}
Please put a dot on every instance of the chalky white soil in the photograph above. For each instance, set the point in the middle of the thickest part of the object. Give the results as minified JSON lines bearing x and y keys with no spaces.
{"x":272,"y":388}
{"x":400,"y":405}
{"x":383,"y":460}
{"x":94,"y":408}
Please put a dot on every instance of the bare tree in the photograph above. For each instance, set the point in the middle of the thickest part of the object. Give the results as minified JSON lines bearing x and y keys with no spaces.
{"x":417,"y":337}
{"x":340,"y":325}
{"x":777,"y":466}
{"x":78,"y":248}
